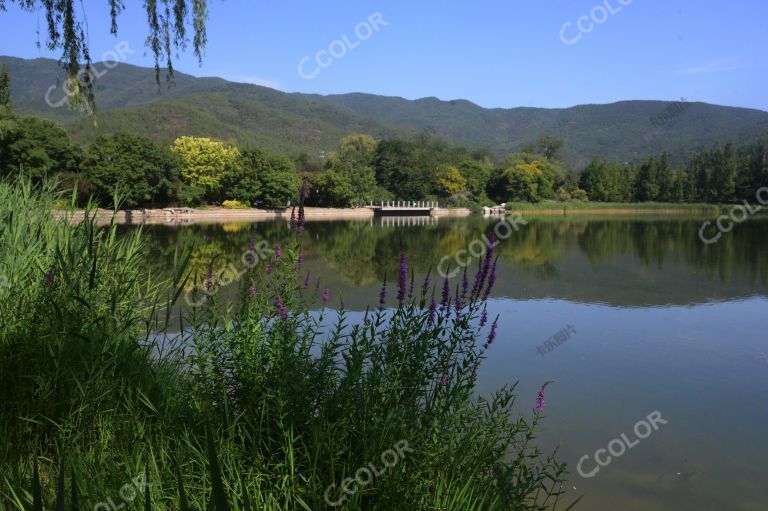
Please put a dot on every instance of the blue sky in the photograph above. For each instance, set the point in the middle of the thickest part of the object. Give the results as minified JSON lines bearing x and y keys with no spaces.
{"x":496,"y":54}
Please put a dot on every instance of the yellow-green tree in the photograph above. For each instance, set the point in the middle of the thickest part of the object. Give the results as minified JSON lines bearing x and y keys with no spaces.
{"x":205,"y":165}
{"x":450,"y":181}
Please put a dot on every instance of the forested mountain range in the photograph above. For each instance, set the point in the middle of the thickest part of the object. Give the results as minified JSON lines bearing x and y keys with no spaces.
{"x":290,"y":123}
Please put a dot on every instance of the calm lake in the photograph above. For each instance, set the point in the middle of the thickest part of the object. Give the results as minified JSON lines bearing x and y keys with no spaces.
{"x":659,"y":322}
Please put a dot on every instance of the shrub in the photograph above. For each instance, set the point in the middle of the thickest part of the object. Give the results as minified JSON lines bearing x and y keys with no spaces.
{"x":234,"y":204}
{"x":579,"y":195}
{"x":562,"y":195}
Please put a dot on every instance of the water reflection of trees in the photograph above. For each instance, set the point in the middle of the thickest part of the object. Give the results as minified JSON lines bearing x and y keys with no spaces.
{"x":360,"y":253}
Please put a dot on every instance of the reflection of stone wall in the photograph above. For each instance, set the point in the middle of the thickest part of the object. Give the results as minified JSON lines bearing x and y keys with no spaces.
{"x":214,"y":215}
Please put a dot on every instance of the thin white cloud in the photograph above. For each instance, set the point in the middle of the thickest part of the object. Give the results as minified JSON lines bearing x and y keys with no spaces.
{"x":714,"y":66}
{"x":256,"y":80}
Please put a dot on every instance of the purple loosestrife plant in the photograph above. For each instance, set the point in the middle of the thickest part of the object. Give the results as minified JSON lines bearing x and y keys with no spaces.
{"x":491,"y":334}
{"x":432,"y":310}
{"x":540,"y":402}
{"x":425,"y":284}
{"x":491,"y":282}
{"x":306,"y":281}
{"x":282,"y":310}
{"x":383,"y":294}
{"x":326,"y":295}
{"x":278,"y":252}
{"x":302,"y":198}
{"x":446,"y":294}
{"x":484,"y":316}
{"x":268,"y":269}
{"x":485,"y":267}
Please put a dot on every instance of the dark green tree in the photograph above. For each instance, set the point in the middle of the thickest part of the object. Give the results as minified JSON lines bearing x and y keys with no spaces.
{"x":36,"y":147}
{"x":603,"y":181}
{"x":477,"y":174}
{"x":273,"y":179}
{"x":142,"y":172}
{"x":549,"y":146}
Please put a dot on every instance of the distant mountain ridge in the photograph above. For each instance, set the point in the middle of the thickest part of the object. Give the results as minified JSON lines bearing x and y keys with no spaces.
{"x":246,"y":114}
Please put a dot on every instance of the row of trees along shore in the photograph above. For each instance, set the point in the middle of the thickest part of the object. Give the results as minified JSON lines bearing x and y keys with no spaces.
{"x":197,"y":171}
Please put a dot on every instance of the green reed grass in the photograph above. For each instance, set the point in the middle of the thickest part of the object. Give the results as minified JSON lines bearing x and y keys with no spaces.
{"x":251,"y":406}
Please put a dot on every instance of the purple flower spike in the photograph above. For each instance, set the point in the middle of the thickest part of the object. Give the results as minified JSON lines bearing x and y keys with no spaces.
{"x":540,"y":402}
{"x":425,"y":285}
{"x":491,"y":335}
{"x":446,"y":293}
{"x":458,"y":305}
{"x":282,"y":310}
{"x":268,"y":269}
{"x":302,"y":197}
{"x":326,"y":295}
{"x":484,"y":317}
{"x":403,"y":280}
{"x":444,"y":379}
{"x":464,"y":284}
{"x":383,"y":293}
{"x":252,"y":292}
{"x":432,"y":310}
{"x":306,"y":281}
{"x":293,"y":218}
{"x":317,"y":285}
{"x":491,"y":281}
{"x":278,"y":252}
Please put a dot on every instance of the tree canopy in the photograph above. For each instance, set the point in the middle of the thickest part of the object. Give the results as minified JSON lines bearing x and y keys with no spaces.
{"x":139,"y":170}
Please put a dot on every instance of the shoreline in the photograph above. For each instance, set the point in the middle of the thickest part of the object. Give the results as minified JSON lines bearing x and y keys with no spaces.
{"x":615,"y":211}
{"x":188,"y":216}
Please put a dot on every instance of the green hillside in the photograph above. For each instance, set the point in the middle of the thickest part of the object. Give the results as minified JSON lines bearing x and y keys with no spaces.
{"x":129,"y":100}
{"x":620,"y":130}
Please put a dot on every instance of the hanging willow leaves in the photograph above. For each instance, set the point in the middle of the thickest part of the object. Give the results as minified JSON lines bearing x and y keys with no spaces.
{"x":168,"y":21}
